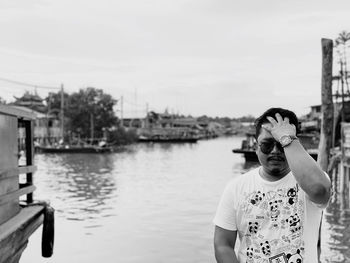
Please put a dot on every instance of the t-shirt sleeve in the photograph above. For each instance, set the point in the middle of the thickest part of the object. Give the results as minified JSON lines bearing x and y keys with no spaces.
{"x":226,"y":213}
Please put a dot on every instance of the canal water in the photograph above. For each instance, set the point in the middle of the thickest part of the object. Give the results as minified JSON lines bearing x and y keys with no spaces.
{"x":150,"y":203}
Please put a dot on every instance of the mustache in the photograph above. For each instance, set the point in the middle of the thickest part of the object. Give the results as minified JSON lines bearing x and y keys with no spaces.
{"x":276,"y":157}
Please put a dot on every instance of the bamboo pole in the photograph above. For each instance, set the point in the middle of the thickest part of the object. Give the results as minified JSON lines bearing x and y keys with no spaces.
{"x":327,"y":104}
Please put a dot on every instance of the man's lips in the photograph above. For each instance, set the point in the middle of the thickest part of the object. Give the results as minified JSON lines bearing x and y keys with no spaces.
{"x":275,"y":158}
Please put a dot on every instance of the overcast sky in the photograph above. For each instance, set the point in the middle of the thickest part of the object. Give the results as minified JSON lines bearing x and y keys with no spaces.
{"x":214,"y":57}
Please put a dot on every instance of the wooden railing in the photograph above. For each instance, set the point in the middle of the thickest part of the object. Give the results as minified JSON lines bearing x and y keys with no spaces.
{"x":27,"y":188}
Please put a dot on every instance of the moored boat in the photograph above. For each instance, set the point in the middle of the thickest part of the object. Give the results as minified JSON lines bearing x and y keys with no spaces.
{"x":168,"y":135}
{"x":248,"y":146}
{"x":73,"y":149}
{"x":78,"y":147}
{"x":168,"y":139}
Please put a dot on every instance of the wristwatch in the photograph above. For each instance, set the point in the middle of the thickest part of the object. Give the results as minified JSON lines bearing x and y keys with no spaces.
{"x":285,"y":140}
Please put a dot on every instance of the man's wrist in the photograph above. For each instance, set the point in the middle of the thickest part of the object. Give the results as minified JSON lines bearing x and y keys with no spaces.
{"x":286,"y":140}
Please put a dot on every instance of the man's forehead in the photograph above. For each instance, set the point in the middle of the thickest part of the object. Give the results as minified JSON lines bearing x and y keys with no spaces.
{"x":265,"y":134}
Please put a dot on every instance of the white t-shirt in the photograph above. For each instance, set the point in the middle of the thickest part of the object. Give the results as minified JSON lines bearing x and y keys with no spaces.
{"x":275,"y":221}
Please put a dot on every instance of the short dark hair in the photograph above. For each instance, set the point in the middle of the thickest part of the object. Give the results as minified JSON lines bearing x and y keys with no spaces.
{"x":293,"y":119}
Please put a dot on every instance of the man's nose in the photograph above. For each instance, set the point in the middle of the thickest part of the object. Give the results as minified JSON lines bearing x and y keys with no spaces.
{"x":275,"y":148}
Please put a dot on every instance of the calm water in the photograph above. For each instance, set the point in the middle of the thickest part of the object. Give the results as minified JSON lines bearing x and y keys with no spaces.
{"x":151,"y":203}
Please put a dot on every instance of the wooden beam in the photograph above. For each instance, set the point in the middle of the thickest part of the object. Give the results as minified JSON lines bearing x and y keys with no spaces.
{"x":27,"y":169}
{"x":327,"y":104}
{"x":15,"y":232}
{"x":13,"y":111}
{"x":16,"y":194}
{"x":7,"y":173}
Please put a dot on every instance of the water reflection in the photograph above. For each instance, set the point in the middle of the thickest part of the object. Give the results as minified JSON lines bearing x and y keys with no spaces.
{"x":158,"y":197}
{"x":83,"y":184}
{"x":336,"y":230}
{"x":150,"y":147}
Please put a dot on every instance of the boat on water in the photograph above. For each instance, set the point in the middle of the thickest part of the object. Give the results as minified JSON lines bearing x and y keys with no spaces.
{"x":81,"y":147}
{"x":20,"y":214}
{"x":309,"y":141}
{"x":167,"y":139}
{"x":73,"y":149}
{"x":168,"y":135}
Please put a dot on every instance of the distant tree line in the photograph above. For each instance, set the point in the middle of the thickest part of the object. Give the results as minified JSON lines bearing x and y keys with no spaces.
{"x":84,"y":110}
{"x":90,"y":111}
{"x":227,"y":121}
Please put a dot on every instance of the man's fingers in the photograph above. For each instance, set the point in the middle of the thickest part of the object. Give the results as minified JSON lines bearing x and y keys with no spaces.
{"x":266,"y":127}
{"x":295,"y":128}
{"x":279,"y":117}
{"x":286,"y":120}
{"x":271,"y":120}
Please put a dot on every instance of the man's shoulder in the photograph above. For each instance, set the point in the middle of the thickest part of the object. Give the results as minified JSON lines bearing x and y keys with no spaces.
{"x":245,"y":178}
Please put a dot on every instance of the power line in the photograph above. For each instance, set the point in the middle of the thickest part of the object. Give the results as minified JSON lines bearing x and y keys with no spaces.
{"x":27,"y":84}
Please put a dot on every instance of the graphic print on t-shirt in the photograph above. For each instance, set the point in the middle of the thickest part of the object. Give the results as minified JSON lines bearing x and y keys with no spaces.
{"x":272,"y":224}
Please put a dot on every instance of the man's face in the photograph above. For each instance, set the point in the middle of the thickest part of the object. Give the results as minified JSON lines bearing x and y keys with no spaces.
{"x":274,"y":163}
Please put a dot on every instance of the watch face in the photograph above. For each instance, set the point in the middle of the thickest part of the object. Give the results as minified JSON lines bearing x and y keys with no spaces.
{"x":285,"y":140}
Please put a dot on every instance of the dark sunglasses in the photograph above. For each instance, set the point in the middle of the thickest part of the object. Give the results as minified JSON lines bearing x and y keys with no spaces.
{"x":267,"y":147}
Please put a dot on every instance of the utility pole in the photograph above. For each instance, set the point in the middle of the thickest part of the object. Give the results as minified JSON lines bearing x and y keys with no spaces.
{"x":48,"y":140}
{"x":135,"y":103}
{"x":92,"y":127}
{"x":146,"y":119}
{"x":62,"y":113}
{"x":121,"y":111}
{"x":342,"y":90}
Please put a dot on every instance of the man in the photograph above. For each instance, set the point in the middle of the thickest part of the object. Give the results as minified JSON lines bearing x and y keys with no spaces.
{"x":275,"y":210}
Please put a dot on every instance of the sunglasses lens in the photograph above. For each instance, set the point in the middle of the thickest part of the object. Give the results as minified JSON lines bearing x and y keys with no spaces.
{"x":266,"y":147}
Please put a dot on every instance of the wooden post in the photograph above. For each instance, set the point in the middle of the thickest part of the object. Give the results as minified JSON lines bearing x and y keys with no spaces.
{"x":29,"y":130}
{"x":327,"y":104}
{"x":327,"y":113}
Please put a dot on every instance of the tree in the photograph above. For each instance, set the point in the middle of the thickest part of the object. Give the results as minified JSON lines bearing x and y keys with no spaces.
{"x":86,"y":112}
{"x":90,"y":112}
{"x":341,"y":45}
{"x":341,"y":48}
{"x":53,"y":102}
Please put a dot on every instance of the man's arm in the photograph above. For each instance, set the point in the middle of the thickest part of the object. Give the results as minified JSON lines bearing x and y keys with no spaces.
{"x":224,"y":243}
{"x":306,"y":171}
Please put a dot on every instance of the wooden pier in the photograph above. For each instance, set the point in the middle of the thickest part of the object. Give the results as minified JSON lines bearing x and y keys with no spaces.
{"x":20,"y":215}
{"x":334,"y":156}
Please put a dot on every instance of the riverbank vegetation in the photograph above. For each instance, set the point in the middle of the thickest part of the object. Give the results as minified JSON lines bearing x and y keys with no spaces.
{"x":90,"y":115}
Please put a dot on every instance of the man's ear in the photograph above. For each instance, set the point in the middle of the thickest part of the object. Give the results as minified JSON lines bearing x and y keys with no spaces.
{"x":255,"y":145}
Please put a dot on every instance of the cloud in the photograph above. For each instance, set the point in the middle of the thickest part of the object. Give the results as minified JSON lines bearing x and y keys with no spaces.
{"x":218,"y":57}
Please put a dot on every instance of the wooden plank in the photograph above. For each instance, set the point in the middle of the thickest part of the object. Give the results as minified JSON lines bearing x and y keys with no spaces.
{"x":15,"y":232}
{"x":8,"y":161}
{"x":10,"y":172}
{"x":21,"y":219}
{"x":12,"y":111}
{"x":27,"y":169}
{"x":16,"y":194}
{"x":17,"y":256}
{"x":7,"y":173}
{"x":9,"y":210}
